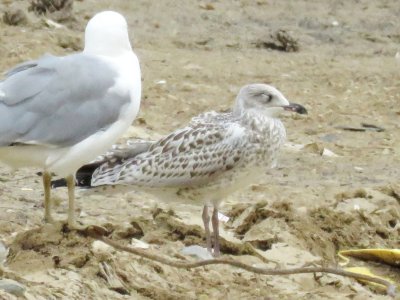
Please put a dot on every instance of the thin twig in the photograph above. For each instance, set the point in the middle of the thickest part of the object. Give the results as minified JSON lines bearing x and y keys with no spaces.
{"x":390,"y":288}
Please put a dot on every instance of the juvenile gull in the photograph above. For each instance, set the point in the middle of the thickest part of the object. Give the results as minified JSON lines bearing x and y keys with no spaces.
{"x":57,"y":113}
{"x":215,"y":155}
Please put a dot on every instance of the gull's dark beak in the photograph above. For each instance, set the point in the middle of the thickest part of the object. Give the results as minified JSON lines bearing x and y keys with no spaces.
{"x":300,"y":109}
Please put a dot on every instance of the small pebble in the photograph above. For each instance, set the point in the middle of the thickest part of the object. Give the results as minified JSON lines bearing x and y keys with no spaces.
{"x":358,"y":169}
{"x":139,"y":244}
{"x":327,"y":152}
{"x":12,"y":287}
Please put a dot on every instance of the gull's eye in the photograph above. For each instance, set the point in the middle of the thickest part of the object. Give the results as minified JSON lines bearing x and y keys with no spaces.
{"x":266,"y":98}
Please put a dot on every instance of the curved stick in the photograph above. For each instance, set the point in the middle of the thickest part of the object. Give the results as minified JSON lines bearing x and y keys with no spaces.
{"x":390,"y":288}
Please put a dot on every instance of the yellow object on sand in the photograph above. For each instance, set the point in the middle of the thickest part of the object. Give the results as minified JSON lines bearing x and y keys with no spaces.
{"x":366,"y":271}
{"x":387,"y":256}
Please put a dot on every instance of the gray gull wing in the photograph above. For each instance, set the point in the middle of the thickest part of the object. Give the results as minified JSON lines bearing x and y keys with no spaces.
{"x":39,"y":100}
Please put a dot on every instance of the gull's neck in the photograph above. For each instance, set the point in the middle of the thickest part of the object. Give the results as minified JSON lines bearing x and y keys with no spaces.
{"x":259,"y":122}
{"x":106,"y":50}
{"x":248,"y":114}
{"x":110,"y":44}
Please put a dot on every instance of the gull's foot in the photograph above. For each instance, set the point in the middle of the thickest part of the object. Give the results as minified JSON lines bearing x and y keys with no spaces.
{"x":216,"y":253}
{"x":217,"y":247}
{"x":48,"y":219}
{"x":91,"y":230}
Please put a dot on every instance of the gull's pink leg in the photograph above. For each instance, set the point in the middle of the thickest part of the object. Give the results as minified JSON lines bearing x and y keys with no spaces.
{"x":215,"y":224}
{"x":206,"y":221}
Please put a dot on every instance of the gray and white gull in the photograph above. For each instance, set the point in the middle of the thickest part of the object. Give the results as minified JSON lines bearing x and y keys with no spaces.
{"x":214,"y":156}
{"x":58,"y":113}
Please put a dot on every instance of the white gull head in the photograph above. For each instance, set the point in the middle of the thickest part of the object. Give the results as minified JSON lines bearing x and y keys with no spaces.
{"x":264,"y":99}
{"x":107,"y":34}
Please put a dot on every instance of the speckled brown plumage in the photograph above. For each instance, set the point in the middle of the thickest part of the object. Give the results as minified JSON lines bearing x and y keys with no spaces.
{"x":215,"y":155}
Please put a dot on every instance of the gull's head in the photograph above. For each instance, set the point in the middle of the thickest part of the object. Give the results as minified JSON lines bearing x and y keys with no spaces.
{"x":264,"y":99}
{"x":107,"y":34}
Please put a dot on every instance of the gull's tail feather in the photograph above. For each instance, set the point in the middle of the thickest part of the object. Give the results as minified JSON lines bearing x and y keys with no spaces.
{"x":84,"y":175}
{"x":108,"y":173}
